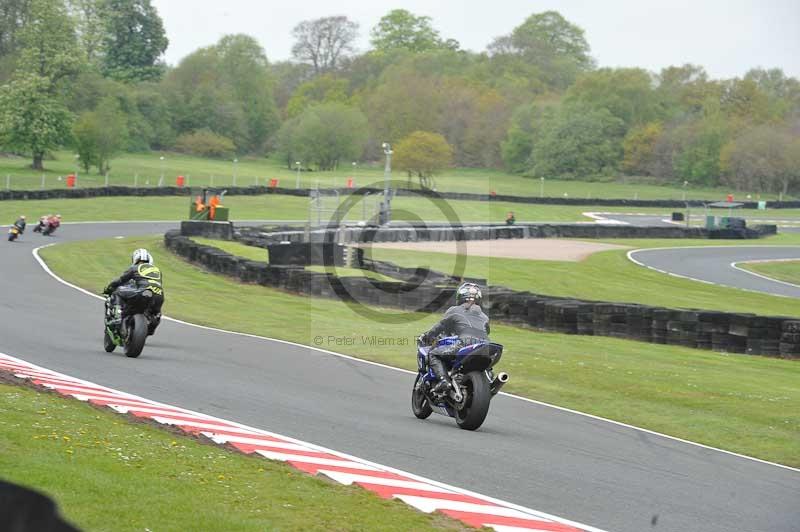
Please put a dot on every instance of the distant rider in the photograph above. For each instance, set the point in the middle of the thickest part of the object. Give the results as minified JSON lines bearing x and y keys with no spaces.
{"x":465,"y":320}
{"x":20,"y":223}
{"x":141,"y":274}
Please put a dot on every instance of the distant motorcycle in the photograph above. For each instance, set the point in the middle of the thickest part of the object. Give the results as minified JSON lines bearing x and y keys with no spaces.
{"x":13,"y":233}
{"x":47,"y":227}
{"x":473,"y":384}
{"x":135,"y":322}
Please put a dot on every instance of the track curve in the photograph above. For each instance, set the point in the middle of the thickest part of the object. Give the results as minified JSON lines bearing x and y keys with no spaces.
{"x":715,"y":264}
{"x":582,"y":468}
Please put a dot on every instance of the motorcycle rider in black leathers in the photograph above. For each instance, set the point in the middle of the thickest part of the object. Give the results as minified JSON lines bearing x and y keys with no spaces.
{"x":465,"y":320}
{"x":20,"y":223}
{"x":141,"y":274}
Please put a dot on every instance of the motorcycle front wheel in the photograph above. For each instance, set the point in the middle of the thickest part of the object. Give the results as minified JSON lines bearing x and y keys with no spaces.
{"x":476,"y":403}
{"x":136,"y":336}
{"x":108,"y":343}
{"x":419,"y":403}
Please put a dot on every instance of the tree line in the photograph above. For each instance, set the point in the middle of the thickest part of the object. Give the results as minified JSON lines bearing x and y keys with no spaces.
{"x":89,"y":74}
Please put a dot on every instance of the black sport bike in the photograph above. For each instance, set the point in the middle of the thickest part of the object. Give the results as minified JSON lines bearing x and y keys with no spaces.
{"x":136,"y":323}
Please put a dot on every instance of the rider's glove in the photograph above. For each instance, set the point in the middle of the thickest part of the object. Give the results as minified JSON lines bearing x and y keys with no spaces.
{"x":107,"y":290}
{"x":422,"y":339}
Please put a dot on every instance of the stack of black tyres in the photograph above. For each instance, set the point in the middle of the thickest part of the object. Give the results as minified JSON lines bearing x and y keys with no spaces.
{"x":712,"y":331}
{"x":584,"y":317}
{"x":682,"y":328}
{"x":790,"y":339}
{"x":610,"y":320}
{"x":561,"y":316}
{"x":639,"y":319}
{"x":738,"y":331}
{"x":658,"y":327}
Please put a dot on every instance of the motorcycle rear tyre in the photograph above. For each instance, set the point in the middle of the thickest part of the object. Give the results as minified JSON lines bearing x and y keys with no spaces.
{"x":135,"y":344}
{"x":419,"y":403}
{"x":108,"y":343}
{"x":477,"y":406}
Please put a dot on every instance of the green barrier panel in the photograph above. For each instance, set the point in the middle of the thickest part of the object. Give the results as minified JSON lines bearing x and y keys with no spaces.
{"x":221,"y":214}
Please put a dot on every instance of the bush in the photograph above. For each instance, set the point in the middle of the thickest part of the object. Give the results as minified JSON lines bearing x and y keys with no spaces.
{"x":205,"y":143}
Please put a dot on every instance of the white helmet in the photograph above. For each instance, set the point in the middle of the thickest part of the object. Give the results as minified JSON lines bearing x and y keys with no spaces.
{"x":141,"y":255}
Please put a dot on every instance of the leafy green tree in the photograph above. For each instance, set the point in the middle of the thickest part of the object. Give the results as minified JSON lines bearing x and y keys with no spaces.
{"x":763,"y":158}
{"x":134,"y":40}
{"x":685,"y":90}
{"x":551,"y":43}
{"x":518,"y":143}
{"x":404,"y":102}
{"x":322,"y":89}
{"x":402,"y":29}
{"x":626,"y":92}
{"x":90,"y":23}
{"x":324,"y":135}
{"x":578,"y":143}
{"x":324,"y":42}
{"x":227,"y":89}
{"x":13,"y":16}
{"x":205,"y":143}
{"x":101,"y":134}
{"x":423,"y":154}
{"x":34,"y":116}
{"x":698,"y":158}
{"x":48,"y":45}
{"x":31,"y":119}
{"x":638,"y":146}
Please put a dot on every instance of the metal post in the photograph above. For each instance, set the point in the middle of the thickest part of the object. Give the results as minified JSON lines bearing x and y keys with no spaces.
{"x":541,"y":187}
{"x":161,"y":181}
{"x":387,"y":173}
{"x":297,"y":181}
{"x":234,"y":171}
{"x":106,"y":179}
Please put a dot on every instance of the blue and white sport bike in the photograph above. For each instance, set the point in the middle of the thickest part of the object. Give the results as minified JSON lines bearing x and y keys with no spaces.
{"x":473,"y":384}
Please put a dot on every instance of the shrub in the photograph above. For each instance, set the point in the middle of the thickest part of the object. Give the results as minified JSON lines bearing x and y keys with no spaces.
{"x":205,"y":143}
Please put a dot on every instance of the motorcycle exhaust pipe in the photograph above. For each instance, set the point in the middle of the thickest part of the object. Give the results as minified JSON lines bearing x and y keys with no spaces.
{"x":498,"y":382}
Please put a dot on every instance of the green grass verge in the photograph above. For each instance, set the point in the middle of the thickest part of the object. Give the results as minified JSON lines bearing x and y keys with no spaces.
{"x":281,"y":207}
{"x":109,"y":473}
{"x":604,"y":276}
{"x":146,"y":169}
{"x":746,"y":404}
{"x":787,"y":271}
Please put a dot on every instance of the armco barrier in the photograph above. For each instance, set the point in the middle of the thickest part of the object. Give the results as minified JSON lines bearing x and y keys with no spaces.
{"x":720,"y":331}
{"x":465,"y":196}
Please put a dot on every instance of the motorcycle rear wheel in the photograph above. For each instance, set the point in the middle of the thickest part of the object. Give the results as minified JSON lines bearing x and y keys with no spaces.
{"x":476,"y":405}
{"x":419,"y":403}
{"x":136,"y":337}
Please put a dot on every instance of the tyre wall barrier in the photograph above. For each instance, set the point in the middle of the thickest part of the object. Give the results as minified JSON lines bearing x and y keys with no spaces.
{"x":462,"y":196}
{"x":700,"y":329}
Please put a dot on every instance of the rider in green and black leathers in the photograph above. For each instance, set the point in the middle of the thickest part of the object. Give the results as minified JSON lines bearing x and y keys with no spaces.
{"x":467,"y":321}
{"x":141,"y":274}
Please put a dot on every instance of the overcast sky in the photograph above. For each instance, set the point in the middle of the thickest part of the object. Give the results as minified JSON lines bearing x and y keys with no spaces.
{"x":726,"y":37}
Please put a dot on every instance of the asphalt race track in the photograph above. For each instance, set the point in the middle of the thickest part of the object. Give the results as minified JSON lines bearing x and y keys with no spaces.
{"x":715,"y":264}
{"x":589,"y":470}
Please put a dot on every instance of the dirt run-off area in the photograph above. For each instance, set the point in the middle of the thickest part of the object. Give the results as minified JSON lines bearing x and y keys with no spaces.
{"x":527,"y":248}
